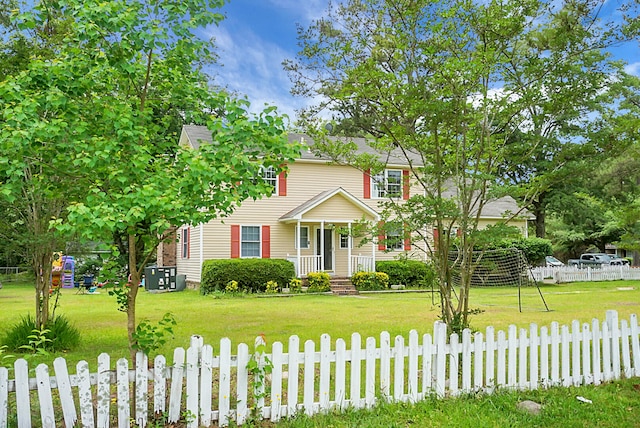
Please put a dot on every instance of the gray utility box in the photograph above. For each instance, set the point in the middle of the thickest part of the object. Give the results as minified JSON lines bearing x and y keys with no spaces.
{"x":160,"y":278}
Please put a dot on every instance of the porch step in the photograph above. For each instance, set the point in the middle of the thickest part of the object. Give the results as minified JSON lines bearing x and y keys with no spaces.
{"x":343,"y":287}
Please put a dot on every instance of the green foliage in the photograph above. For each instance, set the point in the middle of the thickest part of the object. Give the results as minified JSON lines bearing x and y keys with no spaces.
{"x":319,"y":282}
{"x":89,"y":266}
{"x":534,"y":249}
{"x":143,"y":64}
{"x":410,"y":273}
{"x":259,"y":366}
{"x":370,"y":281}
{"x":58,"y":335}
{"x":250,"y":274}
{"x":121,"y":293}
{"x":471,"y":150}
{"x":3,"y":355}
{"x":149,"y":337}
{"x":38,"y":343}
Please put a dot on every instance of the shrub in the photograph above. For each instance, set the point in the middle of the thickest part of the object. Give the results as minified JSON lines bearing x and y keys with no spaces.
{"x":319,"y":282}
{"x":535,"y":249}
{"x":369,"y":281}
{"x":250,"y":274}
{"x":59,"y":334}
{"x":410,"y":273}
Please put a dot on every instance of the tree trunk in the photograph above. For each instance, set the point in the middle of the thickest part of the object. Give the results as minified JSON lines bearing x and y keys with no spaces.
{"x":540,"y":212}
{"x":134,"y":280}
{"x":42,"y":266}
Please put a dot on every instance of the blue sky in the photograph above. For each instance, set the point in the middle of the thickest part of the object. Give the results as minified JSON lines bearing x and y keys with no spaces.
{"x":258,"y":35}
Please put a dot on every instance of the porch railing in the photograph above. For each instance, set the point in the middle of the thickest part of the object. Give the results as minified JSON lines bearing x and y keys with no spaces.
{"x":362,"y":263}
{"x":307,"y":264}
{"x":359,"y":263}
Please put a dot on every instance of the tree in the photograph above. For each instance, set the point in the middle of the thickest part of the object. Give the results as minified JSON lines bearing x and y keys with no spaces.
{"x":561,"y":81}
{"x":426,"y":80}
{"x":122,"y":64}
{"x":34,"y":186}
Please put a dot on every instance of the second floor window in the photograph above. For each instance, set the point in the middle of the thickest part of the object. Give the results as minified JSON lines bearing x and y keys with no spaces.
{"x":387,"y":184}
{"x":269,"y":175}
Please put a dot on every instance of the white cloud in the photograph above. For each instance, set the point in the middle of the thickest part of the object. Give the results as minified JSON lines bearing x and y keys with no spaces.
{"x":308,"y":10}
{"x":251,"y":59}
{"x":252,"y":66}
{"x":633,"y":68}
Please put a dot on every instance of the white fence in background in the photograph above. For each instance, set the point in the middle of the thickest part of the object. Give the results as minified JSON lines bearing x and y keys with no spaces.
{"x":220,"y":388}
{"x":575,"y":274}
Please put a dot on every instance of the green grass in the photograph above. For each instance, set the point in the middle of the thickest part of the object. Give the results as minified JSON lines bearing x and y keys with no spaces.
{"x":614,"y":405}
{"x":103,"y":328}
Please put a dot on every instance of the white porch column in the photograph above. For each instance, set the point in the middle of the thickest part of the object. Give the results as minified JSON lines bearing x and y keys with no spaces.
{"x":373,"y":256}
{"x":349,"y":272}
{"x":201,"y":249}
{"x":297,"y":243}
{"x":322,"y":245}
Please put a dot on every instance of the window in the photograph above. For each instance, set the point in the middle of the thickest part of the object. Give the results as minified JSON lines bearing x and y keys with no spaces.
{"x":185,"y":242}
{"x":345,"y":241}
{"x":269,"y":175}
{"x":394,"y":239}
{"x":250,"y":241}
{"x":387,"y":184}
{"x":303,"y":242}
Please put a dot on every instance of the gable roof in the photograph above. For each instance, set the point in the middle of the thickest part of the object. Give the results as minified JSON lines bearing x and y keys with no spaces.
{"x":298,"y":212}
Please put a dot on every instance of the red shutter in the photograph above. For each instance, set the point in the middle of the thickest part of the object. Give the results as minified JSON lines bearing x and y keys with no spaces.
{"x":407,"y":239}
{"x":282,"y":184}
{"x":381,"y":237}
{"x":459,"y":232}
{"x":235,"y":241}
{"x":435,"y":239}
{"x":366,"y":182}
{"x":405,"y":184}
{"x":266,"y":242}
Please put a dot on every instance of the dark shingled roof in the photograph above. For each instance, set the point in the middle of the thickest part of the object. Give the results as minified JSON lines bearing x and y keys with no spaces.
{"x":196,"y":134}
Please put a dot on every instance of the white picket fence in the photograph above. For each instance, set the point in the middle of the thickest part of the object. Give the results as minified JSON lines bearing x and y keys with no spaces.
{"x":562,"y":274}
{"x":220,"y":388}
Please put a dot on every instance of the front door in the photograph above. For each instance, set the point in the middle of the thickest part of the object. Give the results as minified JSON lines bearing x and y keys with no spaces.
{"x":328,"y":245}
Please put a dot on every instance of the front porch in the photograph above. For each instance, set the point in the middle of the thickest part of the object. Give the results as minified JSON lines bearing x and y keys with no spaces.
{"x":322,"y":235}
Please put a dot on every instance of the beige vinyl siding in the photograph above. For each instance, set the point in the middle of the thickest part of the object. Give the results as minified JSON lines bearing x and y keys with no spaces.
{"x":190,"y":266}
{"x":336,"y":209}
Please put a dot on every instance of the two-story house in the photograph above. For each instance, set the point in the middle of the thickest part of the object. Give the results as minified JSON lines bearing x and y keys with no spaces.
{"x":306,"y":218}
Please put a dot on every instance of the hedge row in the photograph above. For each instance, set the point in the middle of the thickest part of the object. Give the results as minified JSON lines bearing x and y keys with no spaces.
{"x":410,"y":273}
{"x":251,"y":275}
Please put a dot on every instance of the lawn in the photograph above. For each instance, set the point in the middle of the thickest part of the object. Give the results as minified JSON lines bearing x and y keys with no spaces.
{"x":103,"y":328}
